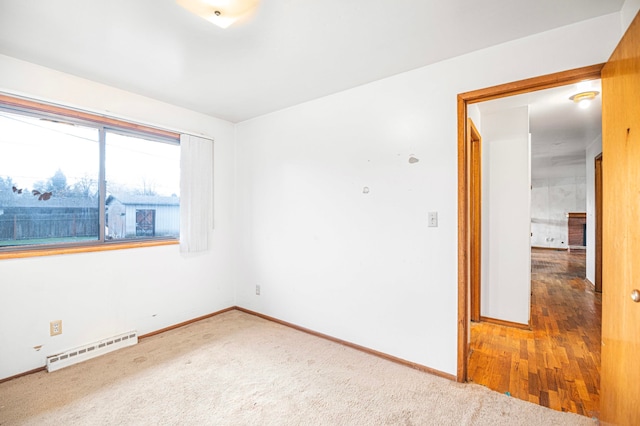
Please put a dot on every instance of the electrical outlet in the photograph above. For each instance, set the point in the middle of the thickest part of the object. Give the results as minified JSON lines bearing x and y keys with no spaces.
{"x":257,"y":290}
{"x":55,"y":327}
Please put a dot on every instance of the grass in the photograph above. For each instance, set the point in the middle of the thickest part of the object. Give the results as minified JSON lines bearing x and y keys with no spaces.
{"x":47,"y":241}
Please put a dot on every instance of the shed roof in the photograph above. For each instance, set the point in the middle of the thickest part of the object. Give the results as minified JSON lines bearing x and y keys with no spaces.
{"x":148,"y":200}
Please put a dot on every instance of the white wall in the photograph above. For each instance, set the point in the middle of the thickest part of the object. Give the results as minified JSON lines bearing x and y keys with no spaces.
{"x":365,"y":267}
{"x":628,"y":12}
{"x":473,"y":113}
{"x":551,"y":199}
{"x":506,"y":215}
{"x":97,"y":295}
{"x":593,"y":150}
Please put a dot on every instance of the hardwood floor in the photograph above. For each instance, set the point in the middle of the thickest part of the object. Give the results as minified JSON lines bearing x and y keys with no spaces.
{"x":557,"y":363}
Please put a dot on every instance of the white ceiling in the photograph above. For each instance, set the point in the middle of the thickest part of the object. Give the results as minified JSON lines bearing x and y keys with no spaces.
{"x":560,"y":131}
{"x":291,"y":51}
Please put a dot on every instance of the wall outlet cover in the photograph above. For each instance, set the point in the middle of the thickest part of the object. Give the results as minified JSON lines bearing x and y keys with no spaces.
{"x":55,"y":327}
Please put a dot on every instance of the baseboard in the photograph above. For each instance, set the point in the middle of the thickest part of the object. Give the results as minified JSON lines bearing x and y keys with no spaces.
{"x":26,"y":373}
{"x":383,"y":355}
{"x":505,"y":323}
{"x":153,"y":333}
{"x":182,"y":324}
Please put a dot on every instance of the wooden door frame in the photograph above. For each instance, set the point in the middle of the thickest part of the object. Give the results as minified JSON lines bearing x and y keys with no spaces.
{"x":598,"y":222}
{"x":465,"y":194}
{"x":474,"y":144}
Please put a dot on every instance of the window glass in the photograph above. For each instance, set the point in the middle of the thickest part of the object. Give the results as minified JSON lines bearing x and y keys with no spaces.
{"x":143,"y":187}
{"x":84,"y":180}
{"x":48,"y":181}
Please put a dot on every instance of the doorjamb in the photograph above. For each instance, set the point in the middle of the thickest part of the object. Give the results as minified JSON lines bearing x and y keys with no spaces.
{"x":474,"y":144}
{"x":464,"y":184}
{"x":598,"y":203}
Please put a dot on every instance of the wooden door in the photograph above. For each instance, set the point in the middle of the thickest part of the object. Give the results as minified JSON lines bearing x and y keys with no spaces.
{"x":145,"y":223}
{"x":620,"y":380}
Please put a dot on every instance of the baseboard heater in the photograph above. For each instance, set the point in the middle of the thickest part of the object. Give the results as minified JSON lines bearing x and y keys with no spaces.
{"x":92,"y":350}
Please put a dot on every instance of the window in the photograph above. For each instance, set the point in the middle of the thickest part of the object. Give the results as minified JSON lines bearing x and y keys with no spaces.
{"x":74,"y":179}
{"x":142,"y":175}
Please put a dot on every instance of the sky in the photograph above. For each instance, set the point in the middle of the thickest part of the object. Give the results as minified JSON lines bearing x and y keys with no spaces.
{"x":33,"y":149}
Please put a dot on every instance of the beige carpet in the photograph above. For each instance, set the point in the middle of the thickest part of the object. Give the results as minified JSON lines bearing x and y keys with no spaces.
{"x":237,"y":369}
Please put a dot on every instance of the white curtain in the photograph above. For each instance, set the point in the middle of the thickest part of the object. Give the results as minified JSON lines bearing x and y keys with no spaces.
{"x":196,"y":193}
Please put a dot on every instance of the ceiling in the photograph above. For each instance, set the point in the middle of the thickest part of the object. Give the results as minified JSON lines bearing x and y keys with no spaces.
{"x":291,"y":51}
{"x":560,"y":131}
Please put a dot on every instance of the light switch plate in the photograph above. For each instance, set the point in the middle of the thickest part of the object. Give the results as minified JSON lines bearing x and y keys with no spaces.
{"x":433,"y":219}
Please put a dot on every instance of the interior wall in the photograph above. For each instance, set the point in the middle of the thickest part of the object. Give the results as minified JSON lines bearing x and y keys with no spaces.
{"x":474,"y":114}
{"x":97,"y":295}
{"x":593,"y":150}
{"x":628,"y":12}
{"x":551,"y":199}
{"x":334,"y":215}
{"x":506,"y":215}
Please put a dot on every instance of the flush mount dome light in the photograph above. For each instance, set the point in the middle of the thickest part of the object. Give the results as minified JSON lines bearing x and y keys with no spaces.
{"x":220,"y":12}
{"x":583,"y":99}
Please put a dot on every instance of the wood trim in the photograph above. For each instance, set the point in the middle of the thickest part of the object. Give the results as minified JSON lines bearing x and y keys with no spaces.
{"x":26,"y":373}
{"x":506,"y":323}
{"x":351,"y":345}
{"x":12,"y":101}
{"x":182,"y":324}
{"x":577,"y":215}
{"x":598,"y":222}
{"x":533,"y":84}
{"x":84,"y":249}
{"x":463,"y":244}
{"x":464,"y":195}
{"x":474,"y":145}
{"x":551,"y":248}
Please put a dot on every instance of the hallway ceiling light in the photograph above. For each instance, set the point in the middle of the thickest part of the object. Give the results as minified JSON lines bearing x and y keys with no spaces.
{"x":583,"y":99}
{"x":220,"y":12}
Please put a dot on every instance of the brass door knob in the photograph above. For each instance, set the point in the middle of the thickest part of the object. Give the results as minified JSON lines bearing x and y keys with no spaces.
{"x":635,"y":295}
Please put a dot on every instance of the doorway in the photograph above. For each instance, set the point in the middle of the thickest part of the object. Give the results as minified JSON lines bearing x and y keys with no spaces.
{"x":468,"y":235}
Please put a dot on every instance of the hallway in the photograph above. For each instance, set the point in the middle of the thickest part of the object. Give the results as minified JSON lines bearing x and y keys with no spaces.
{"x":557,"y":363}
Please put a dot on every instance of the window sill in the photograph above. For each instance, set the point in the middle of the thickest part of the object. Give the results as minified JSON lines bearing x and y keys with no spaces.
{"x":85,"y":249}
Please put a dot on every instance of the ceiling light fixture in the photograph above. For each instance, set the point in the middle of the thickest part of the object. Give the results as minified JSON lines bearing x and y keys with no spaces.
{"x":220,"y":12}
{"x":583,"y":99}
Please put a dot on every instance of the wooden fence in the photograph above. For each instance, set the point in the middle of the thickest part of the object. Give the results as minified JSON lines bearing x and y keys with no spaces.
{"x":28,"y":224}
